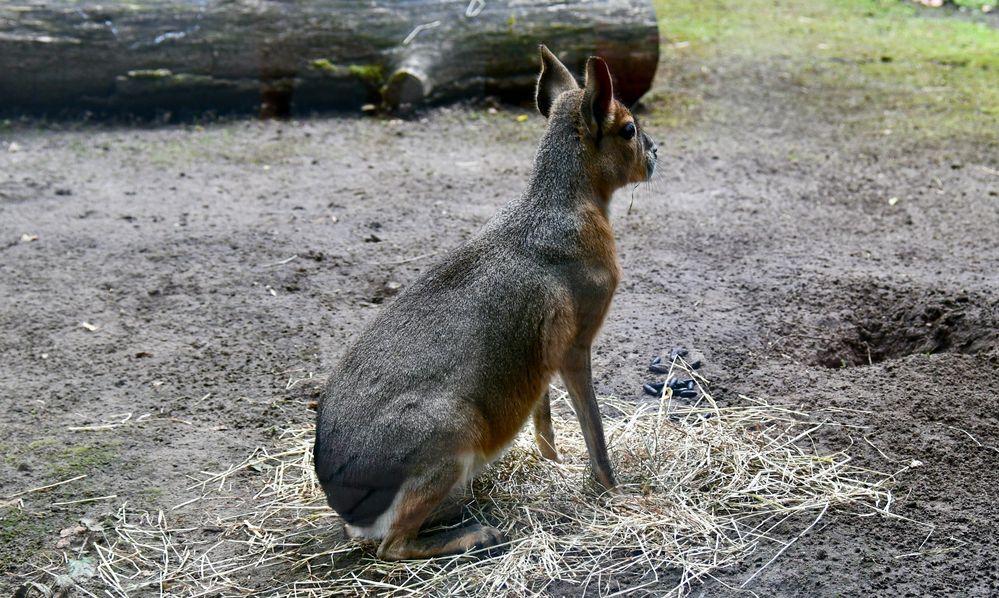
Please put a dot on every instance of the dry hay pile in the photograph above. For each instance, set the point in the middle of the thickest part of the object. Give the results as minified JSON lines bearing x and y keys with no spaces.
{"x":703,"y":487}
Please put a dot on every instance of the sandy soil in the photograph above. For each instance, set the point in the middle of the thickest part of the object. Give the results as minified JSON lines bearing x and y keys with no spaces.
{"x":219,"y":263}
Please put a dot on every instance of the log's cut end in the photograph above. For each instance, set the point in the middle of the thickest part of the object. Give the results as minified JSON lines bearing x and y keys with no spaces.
{"x":634,"y":68}
{"x":406,"y":87}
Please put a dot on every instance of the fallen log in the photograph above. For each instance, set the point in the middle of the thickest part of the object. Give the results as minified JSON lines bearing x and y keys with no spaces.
{"x":284,"y":56}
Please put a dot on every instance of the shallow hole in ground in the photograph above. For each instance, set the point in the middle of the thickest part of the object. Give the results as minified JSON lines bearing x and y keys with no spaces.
{"x":885,"y":323}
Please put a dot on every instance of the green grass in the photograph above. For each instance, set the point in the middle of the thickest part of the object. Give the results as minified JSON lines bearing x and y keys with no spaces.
{"x":20,"y":534}
{"x":63,"y":461}
{"x":75,"y":460}
{"x":975,"y":4}
{"x":884,"y":60}
{"x":42,"y":443}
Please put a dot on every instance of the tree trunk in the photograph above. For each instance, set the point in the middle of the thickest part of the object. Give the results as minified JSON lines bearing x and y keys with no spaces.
{"x":280,"y":56}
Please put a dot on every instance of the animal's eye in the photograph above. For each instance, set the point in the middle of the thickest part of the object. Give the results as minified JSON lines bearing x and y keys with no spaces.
{"x":627,"y":131}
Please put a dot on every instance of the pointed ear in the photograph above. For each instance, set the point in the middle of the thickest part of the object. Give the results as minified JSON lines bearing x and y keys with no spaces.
{"x":598,"y":96}
{"x":553,"y":80}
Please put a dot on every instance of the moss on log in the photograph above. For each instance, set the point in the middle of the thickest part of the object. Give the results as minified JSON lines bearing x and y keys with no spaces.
{"x":279,"y":56}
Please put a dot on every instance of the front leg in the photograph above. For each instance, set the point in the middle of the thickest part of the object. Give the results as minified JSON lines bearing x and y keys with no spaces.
{"x":576,"y":375}
{"x":544,"y":434}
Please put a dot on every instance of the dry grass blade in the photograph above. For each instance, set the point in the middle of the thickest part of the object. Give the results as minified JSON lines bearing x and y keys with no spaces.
{"x":703,"y":488}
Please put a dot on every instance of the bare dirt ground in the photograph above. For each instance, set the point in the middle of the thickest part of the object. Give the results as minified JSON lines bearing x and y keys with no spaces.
{"x":805,"y":264}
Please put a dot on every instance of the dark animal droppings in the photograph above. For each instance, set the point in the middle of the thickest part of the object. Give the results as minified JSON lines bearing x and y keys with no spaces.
{"x":679,"y":385}
{"x":653,"y":388}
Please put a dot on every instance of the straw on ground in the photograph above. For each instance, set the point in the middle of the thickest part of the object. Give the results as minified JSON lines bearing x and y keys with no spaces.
{"x":702,"y":488}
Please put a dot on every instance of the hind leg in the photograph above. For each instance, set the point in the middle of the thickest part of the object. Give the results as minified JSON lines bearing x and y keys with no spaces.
{"x":544,"y":434}
{"x":450,"y":511}
{"x":421,"y":496}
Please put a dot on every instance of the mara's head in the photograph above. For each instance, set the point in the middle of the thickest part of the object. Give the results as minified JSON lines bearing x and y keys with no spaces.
{"x":614,"y":149}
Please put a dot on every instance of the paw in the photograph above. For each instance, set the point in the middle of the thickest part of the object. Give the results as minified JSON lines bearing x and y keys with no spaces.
{"x":547,"y":449}
{"x":611,"y":491}
{"x":606,"y":482}
{"x":482,"y":538}
{"x":549,"y":453}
